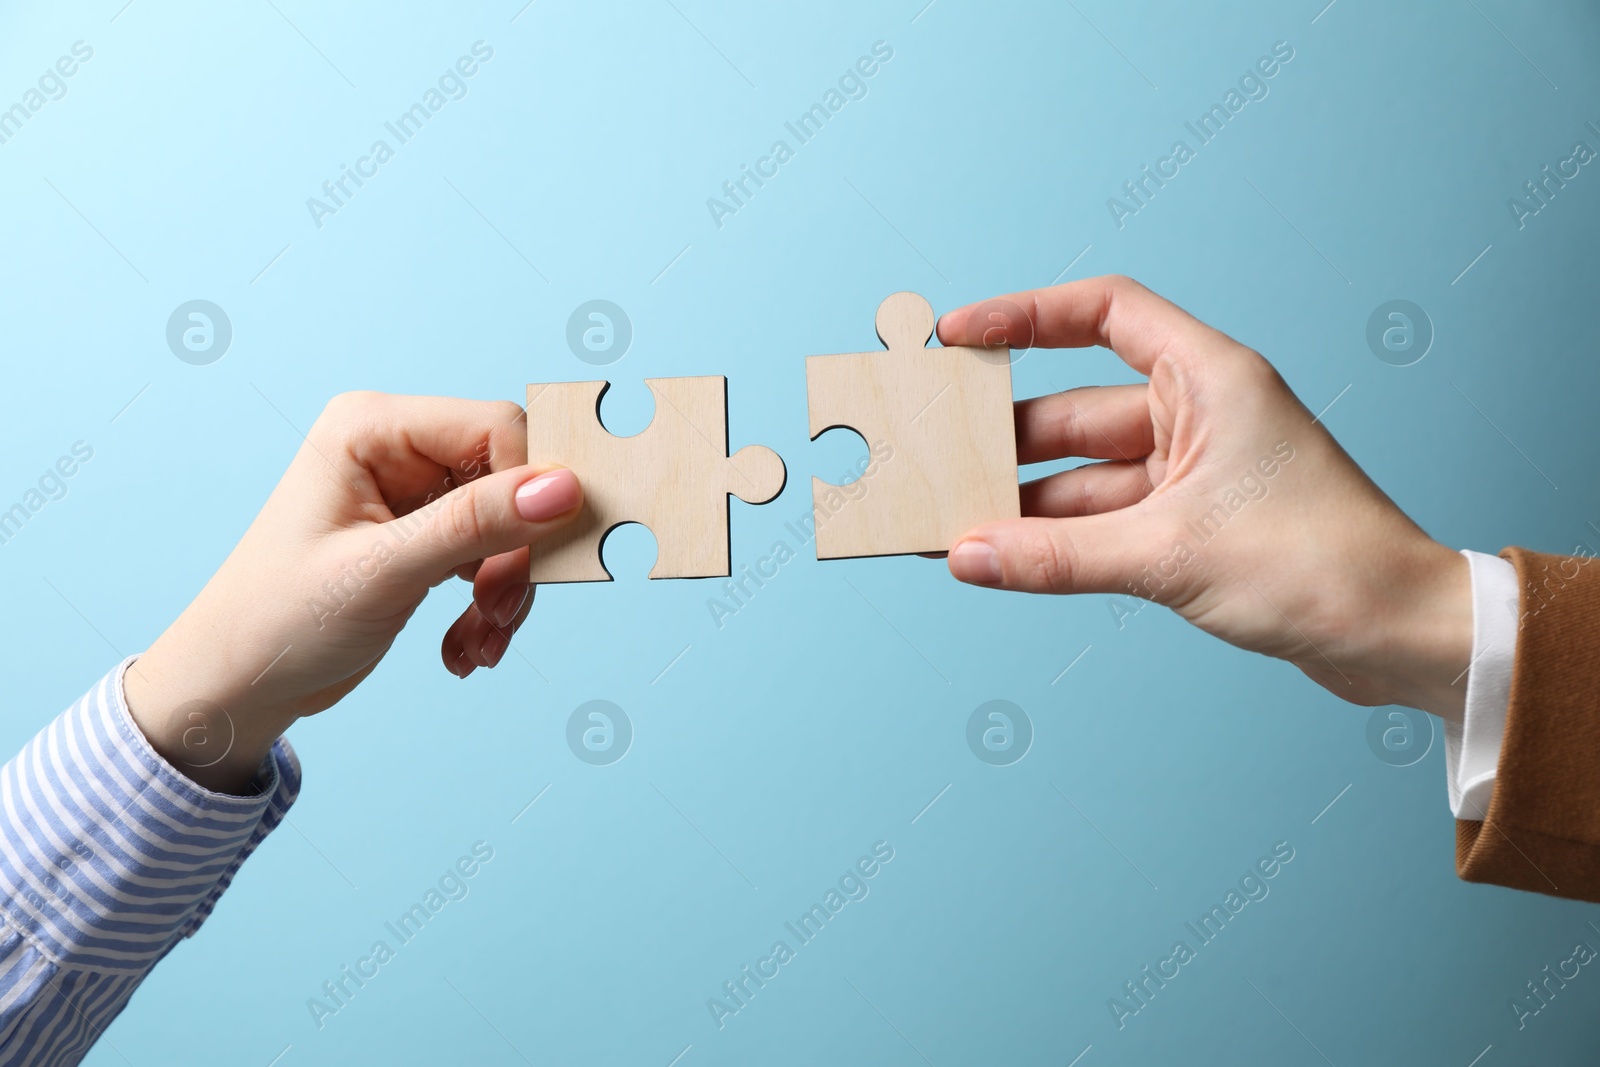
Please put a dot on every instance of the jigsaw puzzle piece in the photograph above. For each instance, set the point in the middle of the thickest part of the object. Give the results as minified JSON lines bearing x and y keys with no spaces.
{"x":939,"y":424}
{"x":674,"y":477}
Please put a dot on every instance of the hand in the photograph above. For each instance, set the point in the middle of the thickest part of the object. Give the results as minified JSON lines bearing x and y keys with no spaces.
{"x":388,"y":497}
{"x":1219,"y":497}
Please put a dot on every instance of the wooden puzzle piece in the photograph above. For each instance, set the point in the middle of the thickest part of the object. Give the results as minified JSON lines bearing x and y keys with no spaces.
{"x":939,"y":424}
{"x":674,"y":477}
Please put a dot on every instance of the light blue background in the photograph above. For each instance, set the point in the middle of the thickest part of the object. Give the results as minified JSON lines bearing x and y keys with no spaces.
{"x":822,"y":718}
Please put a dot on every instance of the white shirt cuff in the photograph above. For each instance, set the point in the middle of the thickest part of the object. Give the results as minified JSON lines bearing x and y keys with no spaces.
{"x":1472,"y":748}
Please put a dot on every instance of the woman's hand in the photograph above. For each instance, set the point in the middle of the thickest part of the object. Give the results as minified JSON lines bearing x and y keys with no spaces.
{"x":388,"y":497}
{"x":1220,"y":497}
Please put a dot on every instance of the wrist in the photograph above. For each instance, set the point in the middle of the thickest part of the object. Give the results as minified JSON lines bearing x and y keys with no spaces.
{"x":1419,"y":631}
{"x":198,"y":718}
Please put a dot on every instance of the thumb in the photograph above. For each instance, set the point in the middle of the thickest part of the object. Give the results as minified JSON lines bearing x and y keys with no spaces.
{"x":1089,"y":554}
{"x":496,"y":513}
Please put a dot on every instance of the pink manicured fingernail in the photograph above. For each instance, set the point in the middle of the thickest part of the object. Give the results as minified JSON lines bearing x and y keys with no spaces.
{"x":494,"y":646}
{"x":975,"y":561}
{"x":510,"y":603}
{"x":548,"y":495}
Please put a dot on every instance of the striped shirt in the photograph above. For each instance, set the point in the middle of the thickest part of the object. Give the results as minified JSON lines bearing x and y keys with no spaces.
{"x":108,"y":856}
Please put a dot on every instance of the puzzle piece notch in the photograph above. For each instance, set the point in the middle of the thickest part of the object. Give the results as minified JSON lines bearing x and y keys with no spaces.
{"x":940,"y":426}
{"x":674,"y":477}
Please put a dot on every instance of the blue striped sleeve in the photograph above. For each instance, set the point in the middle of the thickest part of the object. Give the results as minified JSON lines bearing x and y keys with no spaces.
{"x":108,"y":856}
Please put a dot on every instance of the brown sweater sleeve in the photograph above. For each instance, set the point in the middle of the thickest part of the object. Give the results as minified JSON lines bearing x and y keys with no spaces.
{"x":1542,"y":830}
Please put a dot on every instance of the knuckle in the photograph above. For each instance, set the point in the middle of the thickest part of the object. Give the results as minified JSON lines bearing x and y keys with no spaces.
{"x":461,"y":519}
{"x":1086,"y":499}
{"x":1070,"y":428}
{"x":352,"y":402}
{"x":342,"y":412}
{"x":1255,"y":371}
{"x":1049,"y":563}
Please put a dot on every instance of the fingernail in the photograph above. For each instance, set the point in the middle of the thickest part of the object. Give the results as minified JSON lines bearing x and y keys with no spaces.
{"x":462,"y":665}
{"x":509,"y":604}
{"x":548,"y":495}
{"x":494,"y":646}
{"x":975,"y":561}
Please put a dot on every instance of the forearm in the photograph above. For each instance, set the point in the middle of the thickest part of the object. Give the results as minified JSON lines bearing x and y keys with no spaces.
{"x":108,"y":857}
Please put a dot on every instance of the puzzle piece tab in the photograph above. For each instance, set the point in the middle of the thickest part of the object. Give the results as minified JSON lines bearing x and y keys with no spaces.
{"x":673,"y":477}
{"x":939,"y":423}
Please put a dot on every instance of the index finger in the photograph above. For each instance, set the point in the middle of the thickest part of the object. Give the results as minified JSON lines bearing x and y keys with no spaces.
{"x":417,"y":448}
{"x":1111,"y":311}
{"x":471,"y":437}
